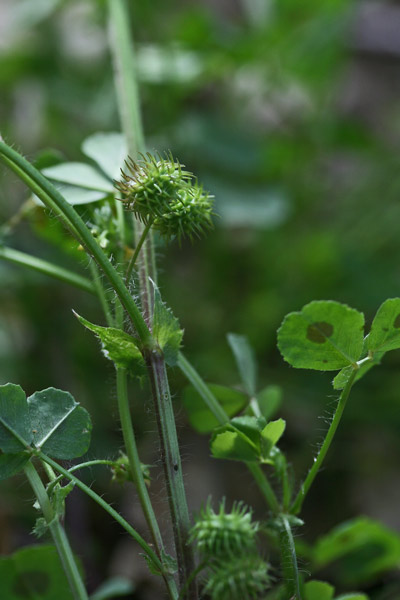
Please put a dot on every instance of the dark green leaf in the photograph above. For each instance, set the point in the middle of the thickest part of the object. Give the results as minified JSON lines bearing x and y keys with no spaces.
{"x":385,"y":329}
{"x":15,"y":426}
{"x":325,"y":336}
{"x":34,"y":573}
{"x":200,"y":416}
{"x":318,"y":590}
{"x":11,"y":464}
{"x":61,"y":428}
{"x":269,"y":400}
{"x":118,"y":346}
{"x":166,"y":330}
{"x":116,"y":586}
{"x":245,"y":361}
{"x":361,"y":549}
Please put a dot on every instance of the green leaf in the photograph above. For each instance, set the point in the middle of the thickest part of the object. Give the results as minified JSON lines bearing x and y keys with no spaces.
{"x":270,"y":436}
{"x":117,"y":345}
{"x":11,"y":464}
{"x":361,"y":549}
{"x":352,"y":597}
{"x":80,"y":174}
{"x":166,"y":330}
{"x":116,"y":586}
{"x":58,"y":496}
{"x":269,"y":400}
{"x":34,"y":573}
{"x":325,"y":336}
{"x":61,"y":428}
{"x":385,"y":329}
{"x":75,"y":195}
{"x":318,"y":590}
{"x":230,"y":445}
{"x":108,"y":150}
{"x":245,"y":361}
{"x":15,"y":426}
{"x":200,"y":416}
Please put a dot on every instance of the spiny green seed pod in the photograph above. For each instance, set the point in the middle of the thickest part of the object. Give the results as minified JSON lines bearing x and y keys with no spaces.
{"x":225,"y":534}
{"x":159,"y":191}
{"x":240,"y":578}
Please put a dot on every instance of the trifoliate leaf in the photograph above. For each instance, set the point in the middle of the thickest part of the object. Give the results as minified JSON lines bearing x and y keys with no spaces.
{"x":15,"y":426}
{"x":385,"y":329}
{"x":324,"y":335}
{"x":60,"y":427}
{"x":200,"y":416}
{"x":166,"y":330}
{"x":118,"y":346}
{"x":245,"y":361}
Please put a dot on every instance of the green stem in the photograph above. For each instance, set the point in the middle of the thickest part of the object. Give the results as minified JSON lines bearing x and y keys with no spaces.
{"x":113,"y":513}
{"x":47,"y":268}
{"x":212,"y":403}
{"x":137,"y":250}
{"x":54,"y":200}
{"x":298,"y":502}
{"x":89,"y":463}
{"x":101,"y":293}
{"x":289,"y":560}
{"x":57,"y":531}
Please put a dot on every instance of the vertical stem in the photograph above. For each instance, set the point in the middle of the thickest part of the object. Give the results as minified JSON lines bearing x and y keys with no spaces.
{"x":137,"y":250}
{"x":298,"y":502}
{"x":172,"y":468}
{"x":101,"y":293}
{"x":57,"y":531}
{"x":289,"y":560}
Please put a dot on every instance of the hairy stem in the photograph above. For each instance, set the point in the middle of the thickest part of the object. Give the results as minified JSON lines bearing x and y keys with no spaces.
{"x":289,"y":560}
{"x":57,"y":531}
{"x":319,"y":459}
{"x":139,"y":245}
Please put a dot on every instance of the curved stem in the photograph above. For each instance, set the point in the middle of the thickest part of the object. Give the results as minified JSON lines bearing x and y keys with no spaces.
{"x":113,"y":513}
{"x":318,"y":460}
{"x":57,"y":531}
{"x":89,"y":463}
{"x":47,"y":268}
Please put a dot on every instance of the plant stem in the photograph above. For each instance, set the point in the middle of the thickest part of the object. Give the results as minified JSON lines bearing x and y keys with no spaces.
{"x":47,"y":268}
{"x":89,"y":463}
{"x":101,"y":293}
{"x":212,"y":403}
{"x":137,"y":250}
{"x":57,"y":531}
{"x":318,"y":460}
{"x":114,"y":514}
{"x":289,"y":559}
{"x":54,"y":200}
{"x":125,"y":69}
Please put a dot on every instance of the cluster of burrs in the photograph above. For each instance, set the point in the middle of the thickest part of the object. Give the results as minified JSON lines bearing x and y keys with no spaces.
{"x":162,"y":194}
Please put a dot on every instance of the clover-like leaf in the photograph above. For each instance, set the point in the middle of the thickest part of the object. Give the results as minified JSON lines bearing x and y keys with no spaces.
{"x":271,"y":435}
{"x":245,"y":361}
{"x":269,"y":399}
{"x":385,"y":329}
{"x":117,"y":345}
{"x":229,"y":444}
{"x":318,"y":590}
{"x":166,"y":329}
{"x":60,"y":427}
{"x":324,"y":335}
{"x":32,"y":573}
{"x":11,"y":464}
{"x":15,"y":427}
{"x":200,"y":416}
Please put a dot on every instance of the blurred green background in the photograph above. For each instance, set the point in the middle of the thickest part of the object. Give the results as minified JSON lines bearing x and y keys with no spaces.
{"x":289,"y":114}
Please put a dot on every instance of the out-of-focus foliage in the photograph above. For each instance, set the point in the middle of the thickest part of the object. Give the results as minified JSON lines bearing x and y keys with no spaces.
{"x":289,"y":114}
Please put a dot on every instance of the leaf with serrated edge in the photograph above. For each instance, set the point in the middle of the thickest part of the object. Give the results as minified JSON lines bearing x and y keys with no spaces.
{"x":385,"y":328}
{"x":15,"y":426}
{"x":325,"y":336}
{"x":61,"y":428}
{"x":245,"y":361}
{"x":166,"y":329}
{"x":117,"y":345}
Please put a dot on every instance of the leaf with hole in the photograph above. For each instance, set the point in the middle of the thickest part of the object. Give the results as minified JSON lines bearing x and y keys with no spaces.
{"x":245,"y":361}
{"x":200,"y":416}
{"x":61,"y":428}
{"x":385,"y":328}
{"x":324,"y":335}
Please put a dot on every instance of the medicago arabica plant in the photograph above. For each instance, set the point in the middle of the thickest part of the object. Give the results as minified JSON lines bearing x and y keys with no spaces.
{"x":222,"y":552}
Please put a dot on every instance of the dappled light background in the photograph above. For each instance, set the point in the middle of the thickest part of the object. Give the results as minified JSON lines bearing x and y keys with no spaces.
{"x":289,"y":113}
